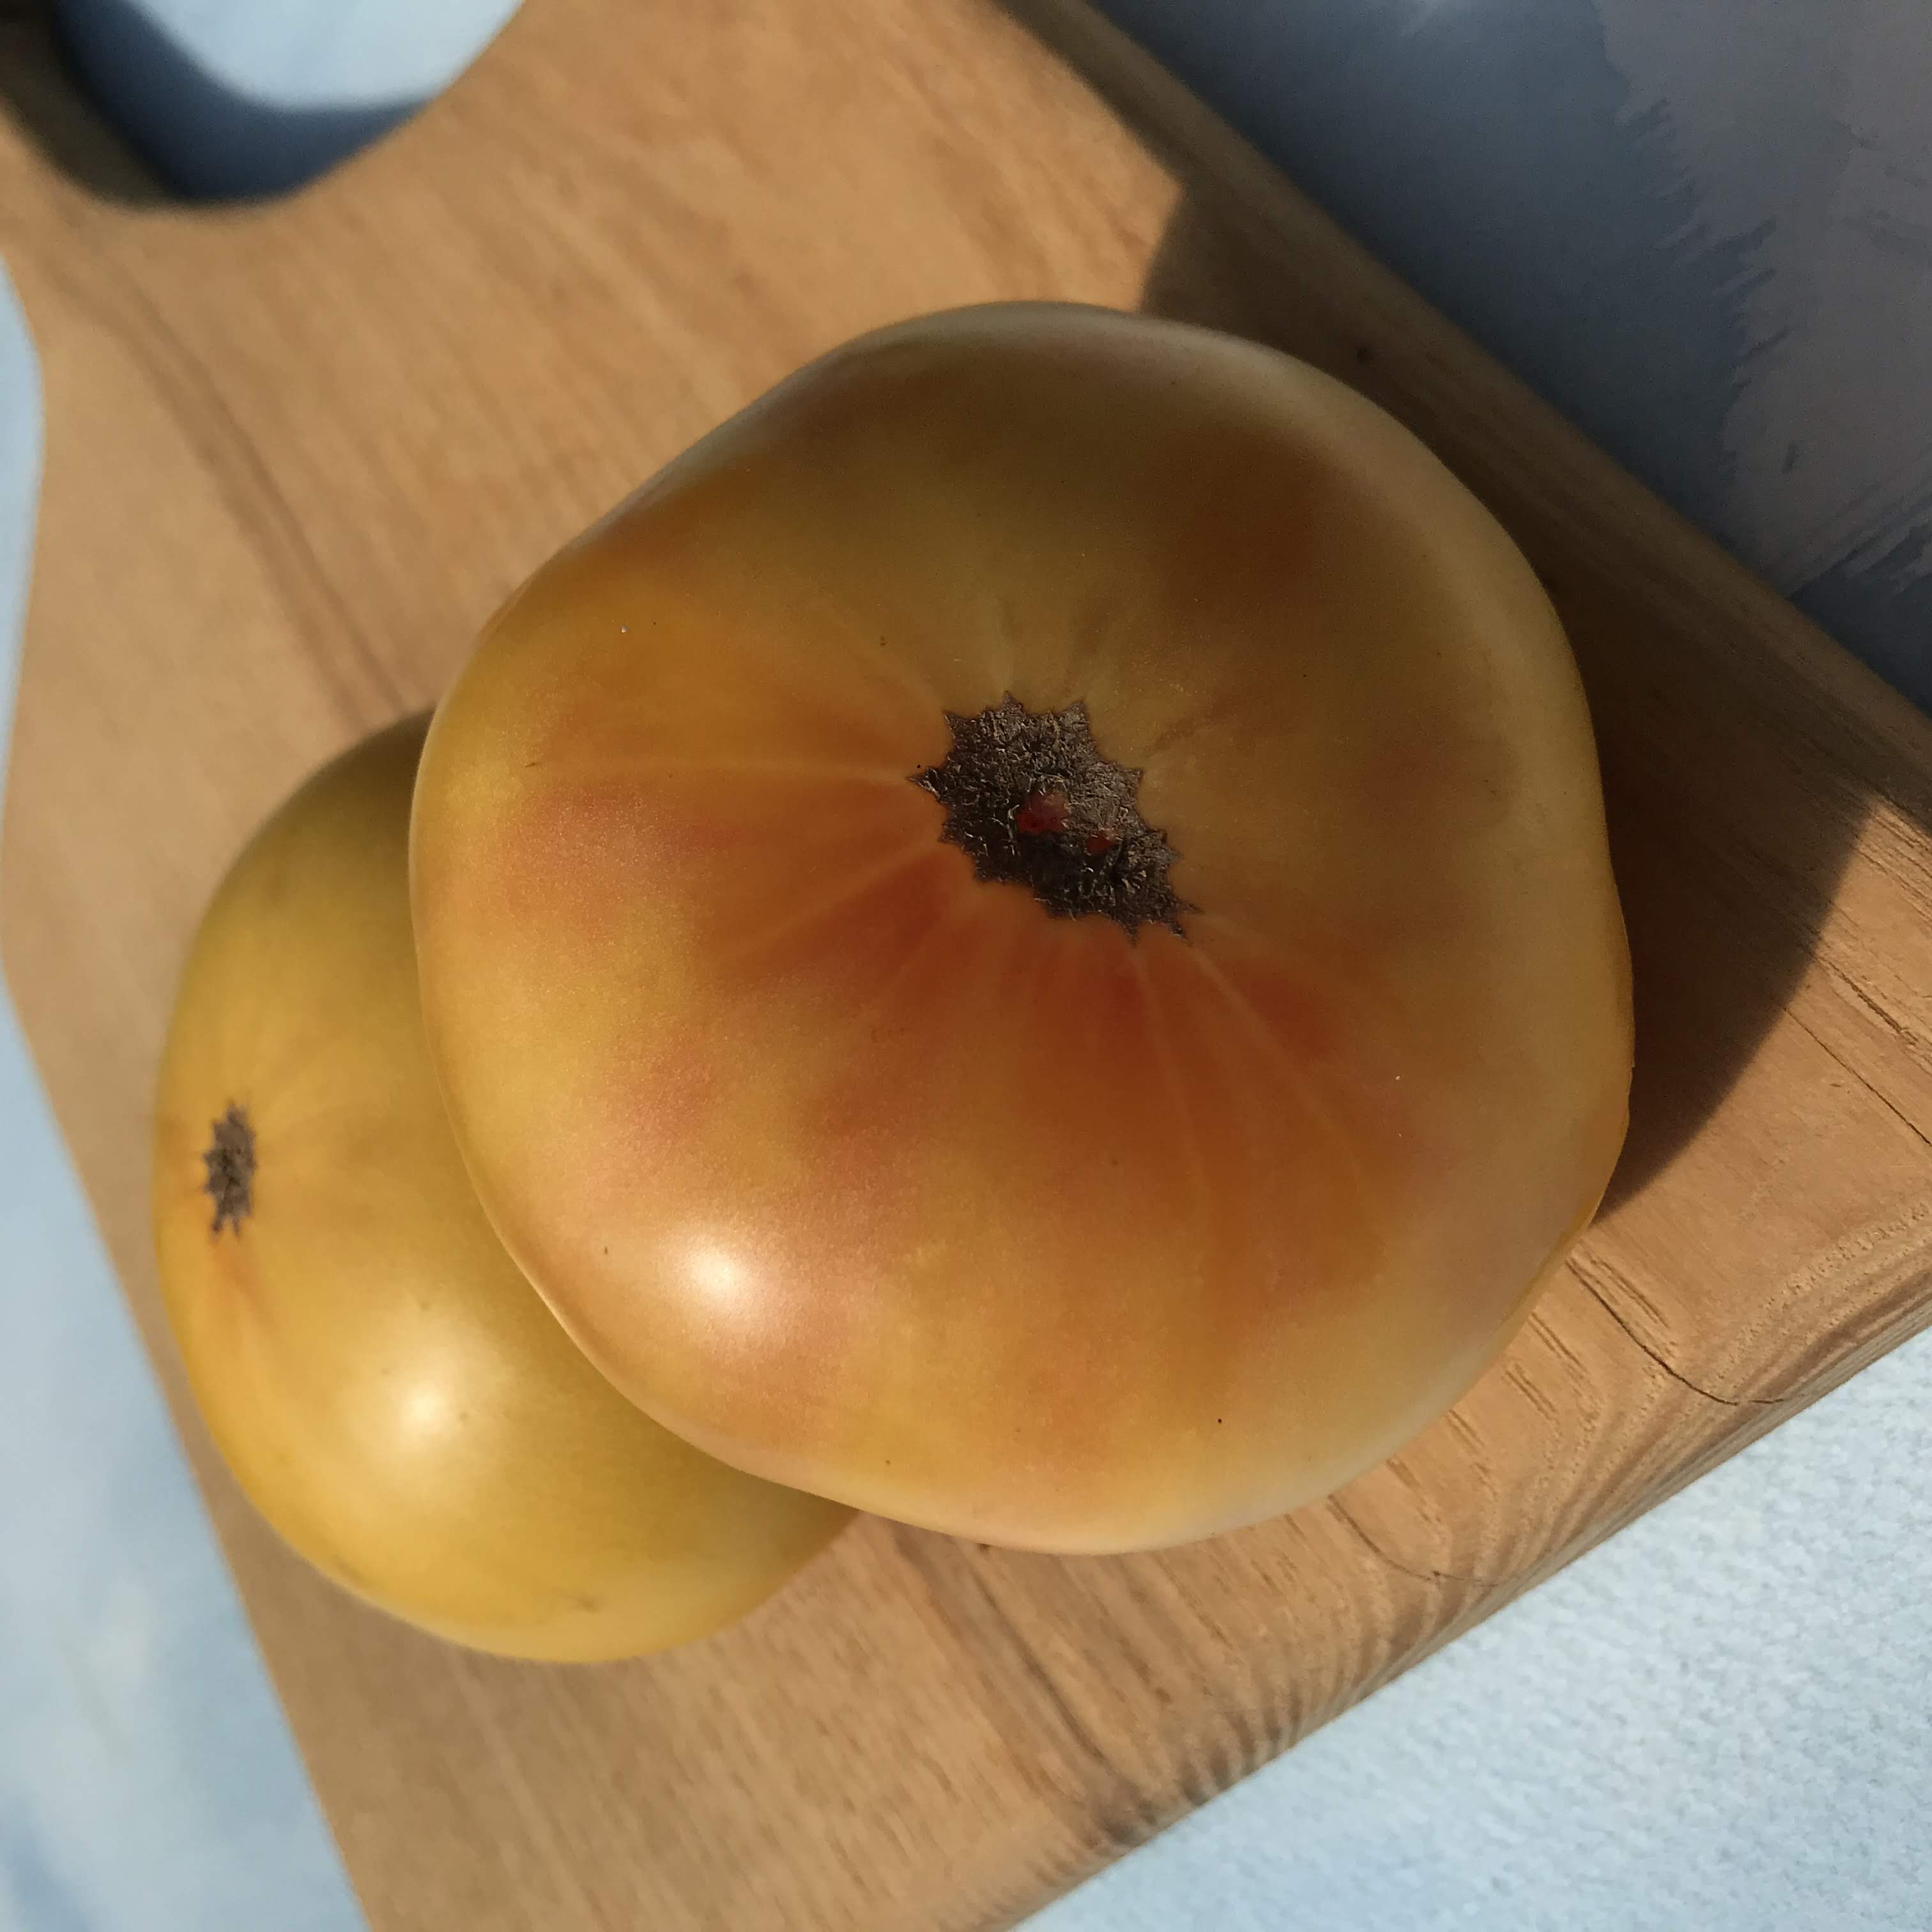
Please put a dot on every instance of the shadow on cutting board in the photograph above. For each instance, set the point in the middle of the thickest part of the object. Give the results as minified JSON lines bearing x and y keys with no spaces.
{"x":1721,"y":932}
{"x":41,"y":97}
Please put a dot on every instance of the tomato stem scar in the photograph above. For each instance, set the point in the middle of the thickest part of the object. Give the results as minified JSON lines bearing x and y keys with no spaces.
{"x":1043,"y":811}
{"x":230,"y":1162}
{"x":1031,"y":799}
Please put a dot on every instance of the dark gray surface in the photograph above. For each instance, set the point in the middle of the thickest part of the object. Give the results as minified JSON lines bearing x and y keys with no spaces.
{"x":1703,"y":230}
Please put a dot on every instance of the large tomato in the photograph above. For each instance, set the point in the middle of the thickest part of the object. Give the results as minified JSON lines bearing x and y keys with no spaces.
{"x":1024,"y":938}
{"x":378,"y":1375}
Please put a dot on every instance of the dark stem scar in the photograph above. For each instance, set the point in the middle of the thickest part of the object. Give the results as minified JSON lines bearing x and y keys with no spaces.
{"x":230,"y":1162}
{"x":1031,"y":801}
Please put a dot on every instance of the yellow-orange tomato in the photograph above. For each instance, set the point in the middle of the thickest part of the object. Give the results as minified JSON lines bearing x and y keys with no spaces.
{"x":1024,"y":938}
{"x":381,"y":1379}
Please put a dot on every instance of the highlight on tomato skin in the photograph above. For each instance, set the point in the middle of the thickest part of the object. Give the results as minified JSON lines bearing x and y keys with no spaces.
{"x":385,"y":1385}
{"x":1024,"y":938}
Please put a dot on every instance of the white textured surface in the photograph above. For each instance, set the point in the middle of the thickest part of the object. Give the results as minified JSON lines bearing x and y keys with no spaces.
{"x":1720,"y":1721}
{"x":322,"y":53}
{"x":148,"y":1783}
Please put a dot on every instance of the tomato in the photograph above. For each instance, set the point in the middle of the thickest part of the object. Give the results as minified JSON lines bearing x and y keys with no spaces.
{"x":1024,"y":938}
{"x":382,"y":1381}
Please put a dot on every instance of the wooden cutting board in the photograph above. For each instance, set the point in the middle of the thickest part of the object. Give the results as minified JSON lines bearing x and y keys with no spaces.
{"x":296,"y":454}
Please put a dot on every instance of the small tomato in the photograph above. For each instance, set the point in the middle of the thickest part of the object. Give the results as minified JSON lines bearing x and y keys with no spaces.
{"x":386,"y":1387}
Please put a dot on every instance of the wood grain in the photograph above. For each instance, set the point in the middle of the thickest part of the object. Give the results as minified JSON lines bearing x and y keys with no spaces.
{"x":296,"y":454}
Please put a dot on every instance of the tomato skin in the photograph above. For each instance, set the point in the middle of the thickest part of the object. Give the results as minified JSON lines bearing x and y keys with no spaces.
{"x":382,"y":1380}
{"x":877,"y":1178}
